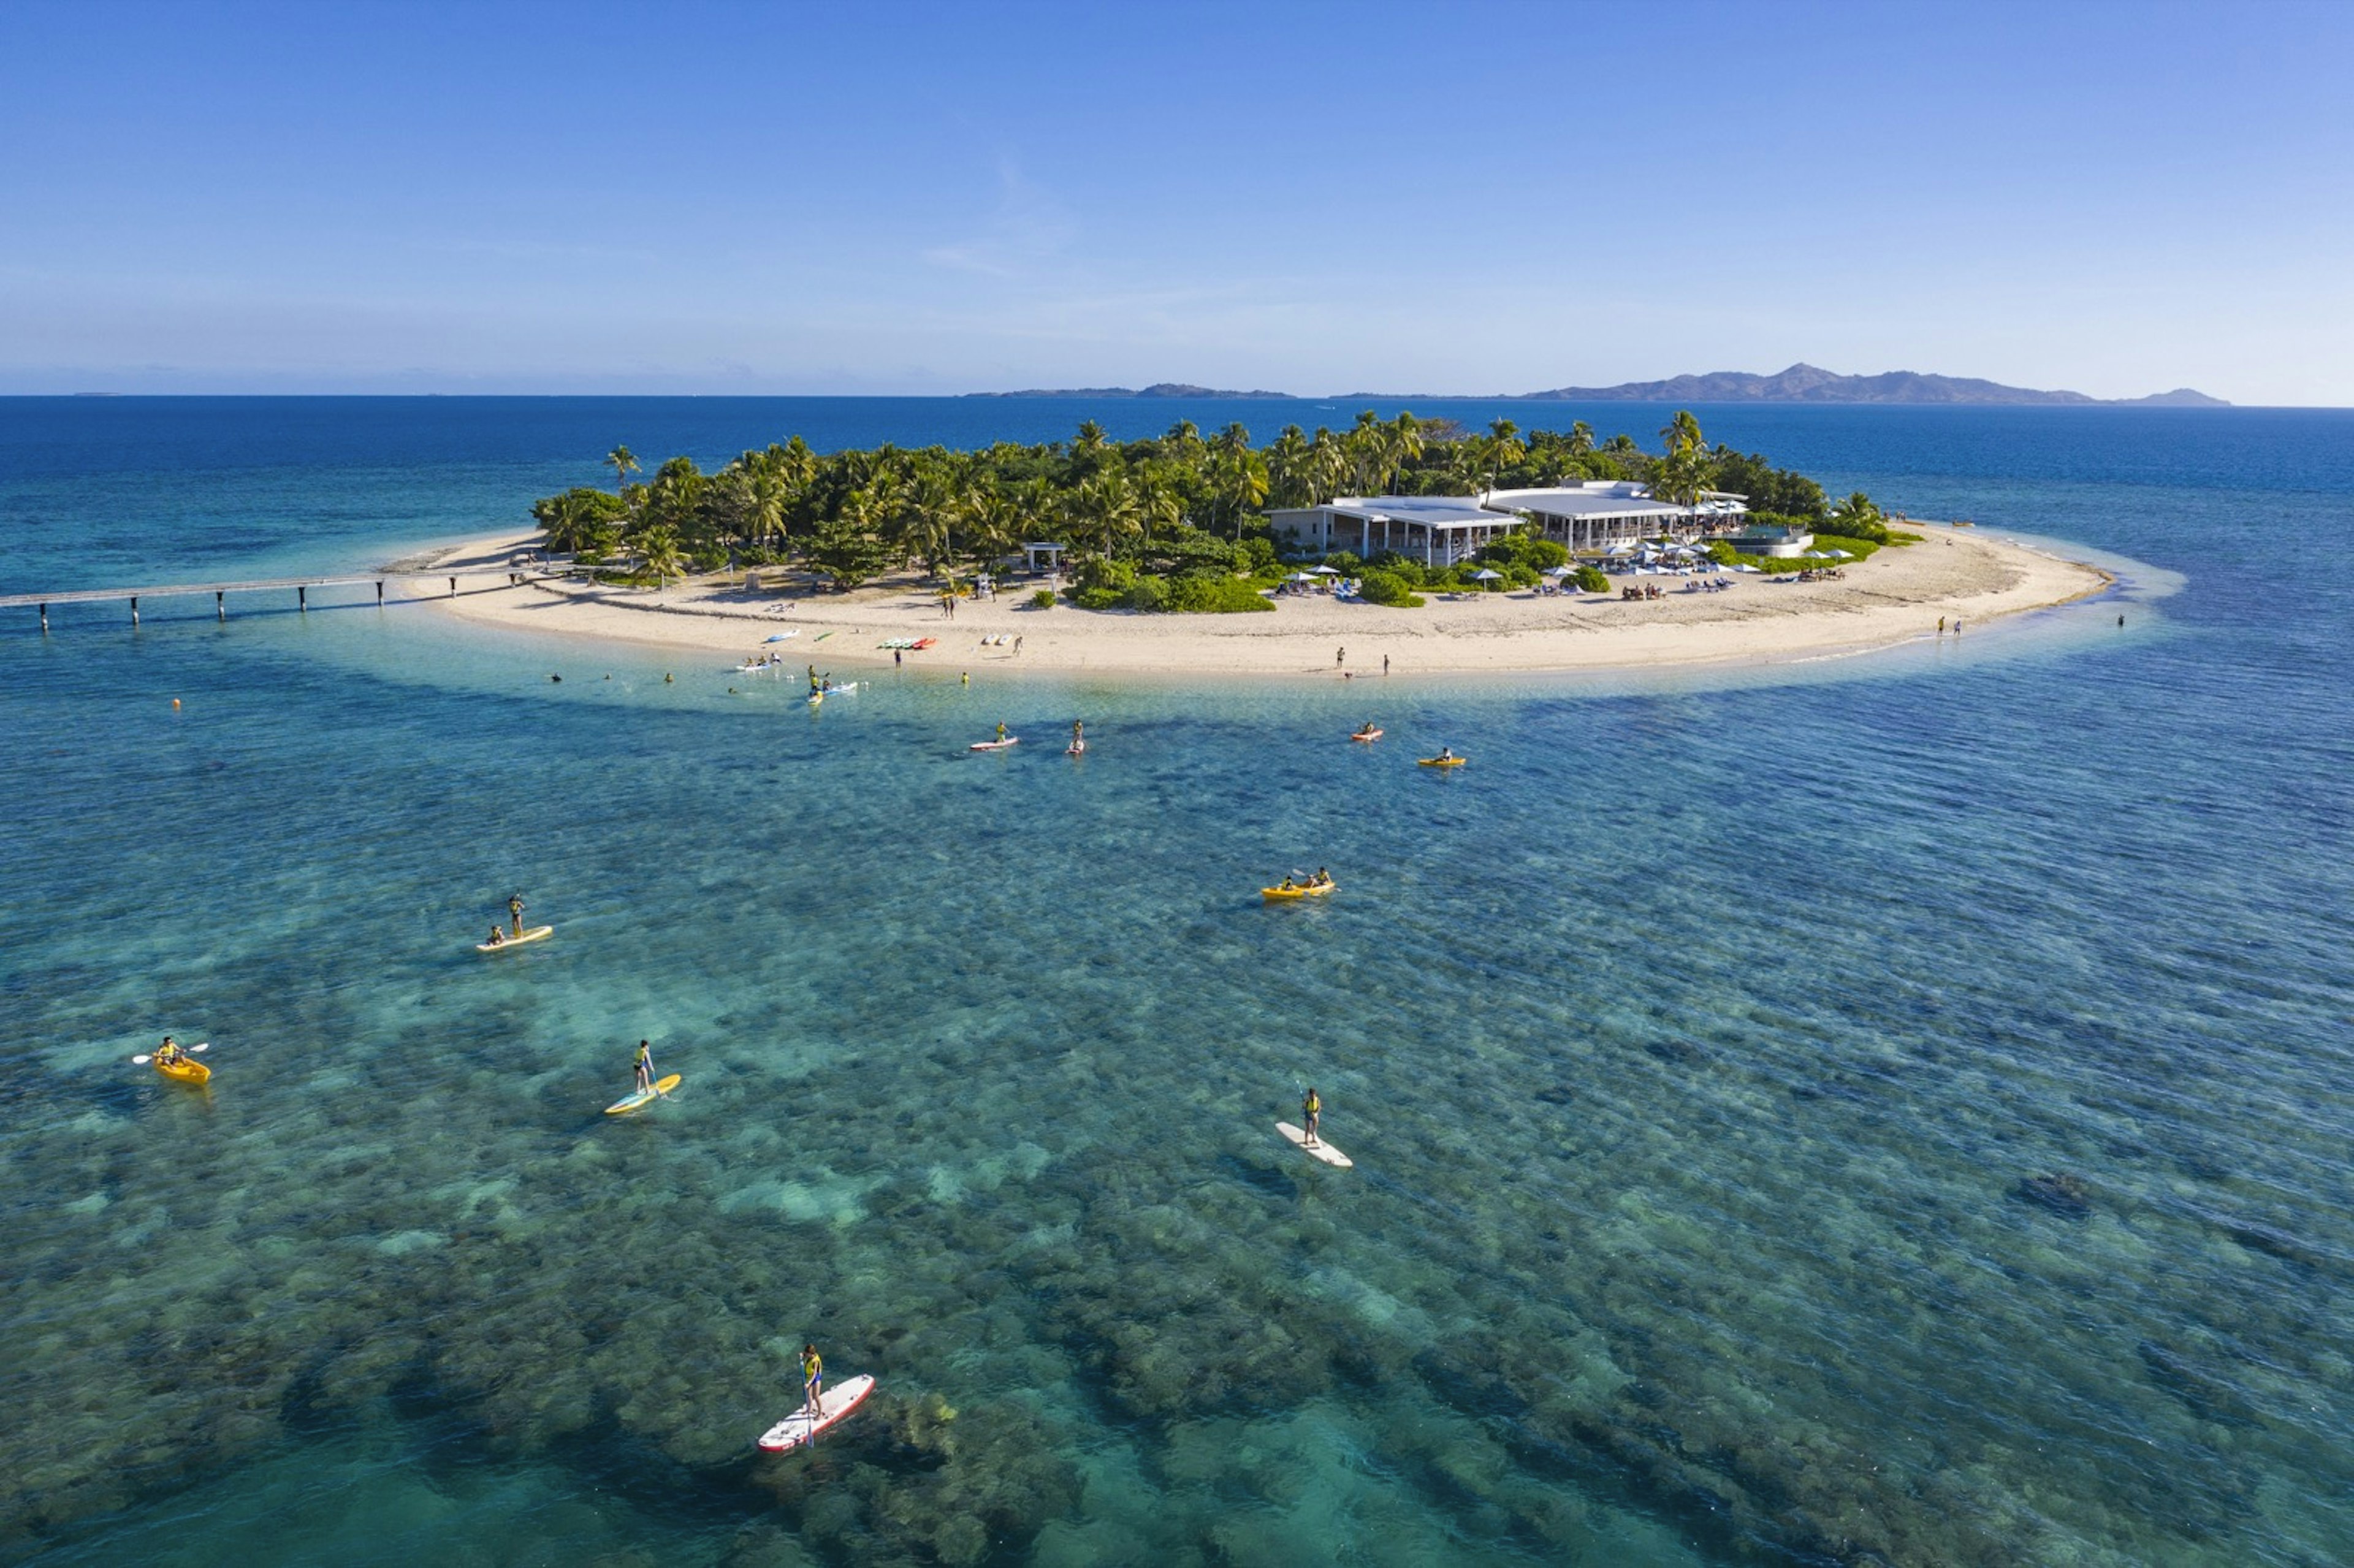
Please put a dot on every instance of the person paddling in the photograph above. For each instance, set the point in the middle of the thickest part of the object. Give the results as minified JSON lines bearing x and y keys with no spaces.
{"x":645,"y":1066}
{"x":812,"y":1382}
{"x":169,"y":1054}
{"x":1311,"y":1112}
{"x":1000,"y":733}
{"x":1078,"y":736}
{"x":514,"y":912}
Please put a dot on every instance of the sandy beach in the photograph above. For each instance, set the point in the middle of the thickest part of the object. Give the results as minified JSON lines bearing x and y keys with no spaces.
{"x":1896,"y":596}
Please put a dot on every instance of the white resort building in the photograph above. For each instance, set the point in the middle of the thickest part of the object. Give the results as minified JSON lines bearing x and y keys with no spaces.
{"x":1445,"y":529}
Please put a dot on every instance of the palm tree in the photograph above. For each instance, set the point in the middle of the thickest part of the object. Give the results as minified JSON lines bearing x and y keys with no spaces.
{"x":623,"y":462}
{"x":1242,"y":483}
{"x":1581,"y":438}
{"x":1682,"y":433}
{"x":1290,"y":480}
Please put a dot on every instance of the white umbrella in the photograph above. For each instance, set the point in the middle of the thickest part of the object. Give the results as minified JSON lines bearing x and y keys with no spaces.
{"x":1745,"y":567}
{"x":1622,"y":549}
{"x":1484,"y":576}
{"x":1301,"y":577}
{"x":1558,"y":571}
{"x":1325,"y":571}
{"x":1842,"y":555}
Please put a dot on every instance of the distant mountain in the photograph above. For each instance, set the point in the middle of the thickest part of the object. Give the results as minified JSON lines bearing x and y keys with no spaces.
{"x":1810,"y":384}
{"x":1158,"y":389}
{"x":1799,"y":384}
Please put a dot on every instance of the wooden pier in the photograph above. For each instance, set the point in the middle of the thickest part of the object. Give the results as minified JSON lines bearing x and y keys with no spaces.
{"x":220,"y":591}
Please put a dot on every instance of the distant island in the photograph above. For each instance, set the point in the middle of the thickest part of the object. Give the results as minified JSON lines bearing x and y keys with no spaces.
{"x":1805,"y":382}
{"x":1800,"y":383}
{"x":1158,"y":389}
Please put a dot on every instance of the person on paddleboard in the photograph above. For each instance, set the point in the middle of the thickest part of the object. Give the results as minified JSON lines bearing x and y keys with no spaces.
{"x":498,"y":936}
{"x":1311,"y":1111}
{"x":645,"y":1066}
{"x":1000,"y":735}
{"x":813,"y":1381}
{"x":1078,"y":735}
{"x":515,"y":911}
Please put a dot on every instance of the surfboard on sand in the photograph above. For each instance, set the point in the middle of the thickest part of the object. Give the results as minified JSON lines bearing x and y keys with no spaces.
{"x":800,"y":1426}
{"x":643,"y":1097}
{"x":1320,"y":1148}
{"x":537,"y":933}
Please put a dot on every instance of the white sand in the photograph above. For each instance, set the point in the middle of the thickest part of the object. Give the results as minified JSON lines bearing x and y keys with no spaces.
{"x":1896,"y":596}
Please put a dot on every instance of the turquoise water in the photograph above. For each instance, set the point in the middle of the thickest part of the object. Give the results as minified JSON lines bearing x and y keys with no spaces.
{"x":1884,"y":1112}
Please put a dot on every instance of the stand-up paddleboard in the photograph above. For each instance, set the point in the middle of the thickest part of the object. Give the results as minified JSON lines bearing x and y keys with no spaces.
{"x":995,"y":744}
{"x":537,"y":933}
{"x":643,"y":1097}
{"x":1320,"y":1148}
{"x":800,"y":1427}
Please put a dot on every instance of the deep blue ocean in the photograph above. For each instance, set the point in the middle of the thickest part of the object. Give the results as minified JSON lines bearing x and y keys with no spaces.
{"x":1888,"y":1111}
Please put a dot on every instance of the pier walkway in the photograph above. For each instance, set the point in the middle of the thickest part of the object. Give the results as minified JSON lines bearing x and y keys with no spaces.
{"x":221,"y":590}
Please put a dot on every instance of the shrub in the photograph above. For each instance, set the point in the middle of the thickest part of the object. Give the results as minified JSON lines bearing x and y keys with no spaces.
{"x":1402,"y":566}
{"x":1591,"y":580}
{"x":1150,"y":594}
{"x":1378,"y":587}
{"x":1256,"y":555}
{"x":1526,"y":550}
{"x":1100,"y":572}
{"x":1345,"y":561}
{"x":1200,"y":594}
{"x":1043,"y":599}
{"x":1099,"y":597}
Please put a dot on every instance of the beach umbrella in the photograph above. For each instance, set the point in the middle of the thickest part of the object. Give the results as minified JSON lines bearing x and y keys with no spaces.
{"x":1842,"y":555}
{"x":1301,"y":577}
{"x":1325,"y":571}
{"x":1485,"y":576}
{"x":1745,"y":567}
{"x":1558,"y":571}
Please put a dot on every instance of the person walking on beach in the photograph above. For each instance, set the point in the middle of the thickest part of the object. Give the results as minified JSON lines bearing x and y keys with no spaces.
{"x":898,"y":657}
{"x":1340,"y":657}
{"x":645,"y":1066}
{"x":514,"y":912}
{"x":812,"y":1382}
{"x":1311,"y":1113}
{"x":1385,"y":664}
{"x":1017,"y":645}
{"x":1941,"y":626}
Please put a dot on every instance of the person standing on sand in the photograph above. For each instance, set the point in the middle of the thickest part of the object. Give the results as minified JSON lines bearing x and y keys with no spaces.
{"x":897,"y":658}
{"x":1385,"y":664}
{"x":1941,"y":626}
{"x":1340,"y":657}
{"x":1017,"y":645}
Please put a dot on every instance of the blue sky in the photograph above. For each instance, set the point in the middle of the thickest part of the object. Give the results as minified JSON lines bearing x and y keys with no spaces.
{"x":1313,"y":198}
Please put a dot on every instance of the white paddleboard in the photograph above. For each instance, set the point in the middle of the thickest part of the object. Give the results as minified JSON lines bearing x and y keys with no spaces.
{"x":1320,"y":1148}
{"x":537,"y":934}
{"x":800,"y":1426}
{"x":995,"y":744}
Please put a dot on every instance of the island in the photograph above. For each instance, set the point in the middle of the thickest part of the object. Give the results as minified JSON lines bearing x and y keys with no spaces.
{"x":1395,"y":546}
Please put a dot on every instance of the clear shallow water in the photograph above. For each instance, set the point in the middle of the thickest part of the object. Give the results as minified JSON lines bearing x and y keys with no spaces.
{"x":1694,"y":1045}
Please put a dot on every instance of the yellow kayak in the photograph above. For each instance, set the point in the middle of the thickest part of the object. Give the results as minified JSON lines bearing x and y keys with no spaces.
{"x":1438,"y":762}
{"x":1316,"y":890}
{"x":186,"y":1070}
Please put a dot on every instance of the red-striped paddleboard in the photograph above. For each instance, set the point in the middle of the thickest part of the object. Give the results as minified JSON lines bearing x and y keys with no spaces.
{"x":800,"y":1427}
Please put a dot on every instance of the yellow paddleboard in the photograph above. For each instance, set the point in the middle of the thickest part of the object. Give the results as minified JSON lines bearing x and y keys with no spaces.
{"x":643,"y":1097}
{"x":537,"y":933}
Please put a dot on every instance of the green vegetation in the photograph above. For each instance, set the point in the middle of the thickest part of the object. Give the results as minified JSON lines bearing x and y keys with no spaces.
{"x":1386,"y":587}
{"x":1591,"y":580}
{"x":1174,"y":522}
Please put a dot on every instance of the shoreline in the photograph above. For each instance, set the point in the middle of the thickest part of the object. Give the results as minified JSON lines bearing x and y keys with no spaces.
{"x":1895,"y":597}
